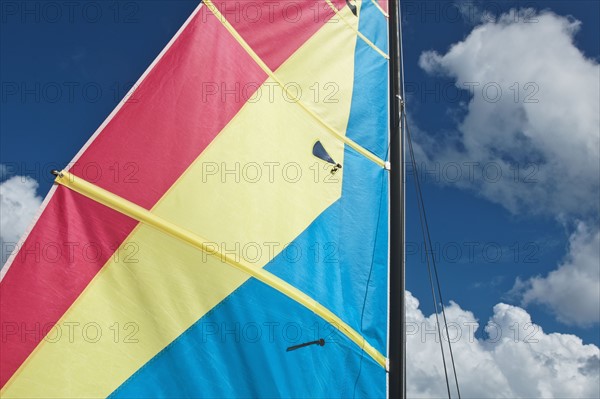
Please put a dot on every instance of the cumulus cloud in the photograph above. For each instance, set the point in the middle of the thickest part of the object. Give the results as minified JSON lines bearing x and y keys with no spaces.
{"x":515,"y":358}
{"x":531,"y":125}
{"x":571,"y":292}
{"x":19,"y":203}
{"x":532,"y":115}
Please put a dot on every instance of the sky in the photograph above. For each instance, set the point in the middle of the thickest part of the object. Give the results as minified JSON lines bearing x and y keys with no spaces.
{"x":503,"y":103}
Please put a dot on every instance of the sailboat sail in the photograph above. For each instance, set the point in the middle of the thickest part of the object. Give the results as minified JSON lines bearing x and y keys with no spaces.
{"x":225,"y":232}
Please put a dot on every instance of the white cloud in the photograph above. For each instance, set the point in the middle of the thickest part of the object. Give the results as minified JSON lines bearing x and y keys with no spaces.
{"x":542,"y":133}
{"x":572,"y":291}
{"x":554,"y":123}
{"x":517,"y":359}
{"x":18,"y":206}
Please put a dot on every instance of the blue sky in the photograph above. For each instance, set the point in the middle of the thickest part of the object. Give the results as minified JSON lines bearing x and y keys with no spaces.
{"x":61,"y":76}
{"x":462,"y":219}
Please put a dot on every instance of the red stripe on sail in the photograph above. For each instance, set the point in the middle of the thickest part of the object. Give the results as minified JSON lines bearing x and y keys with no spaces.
{"x":384,"y":5}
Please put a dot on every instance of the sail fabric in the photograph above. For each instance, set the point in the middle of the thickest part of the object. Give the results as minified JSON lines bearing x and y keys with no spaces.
{"x":211,"y":142}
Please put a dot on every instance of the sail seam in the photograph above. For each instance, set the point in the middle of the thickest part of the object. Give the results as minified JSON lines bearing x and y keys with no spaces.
{"x":359,"y":33}
{"x":145,"y":216}
{"x":351,"y":143}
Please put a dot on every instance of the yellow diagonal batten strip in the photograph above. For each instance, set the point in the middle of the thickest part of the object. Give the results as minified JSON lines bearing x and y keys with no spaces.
{"x":351,"y":143}
{"x":376,"y":4}
{"x":142,"y":215}
{"x":363,"y":37}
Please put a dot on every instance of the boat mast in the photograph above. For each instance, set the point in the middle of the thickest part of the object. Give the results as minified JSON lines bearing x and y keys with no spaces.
{"x":397,"y":340}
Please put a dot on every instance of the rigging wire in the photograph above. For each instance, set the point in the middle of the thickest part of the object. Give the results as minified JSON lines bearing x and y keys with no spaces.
{"x":428,"y":244}
{"x":433,"y":296}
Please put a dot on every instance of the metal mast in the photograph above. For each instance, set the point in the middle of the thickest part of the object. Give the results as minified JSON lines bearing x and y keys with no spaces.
{"x":397,"y":341}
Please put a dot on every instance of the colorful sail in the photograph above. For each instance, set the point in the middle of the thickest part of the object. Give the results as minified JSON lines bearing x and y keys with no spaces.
{"x":232,"y":209}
